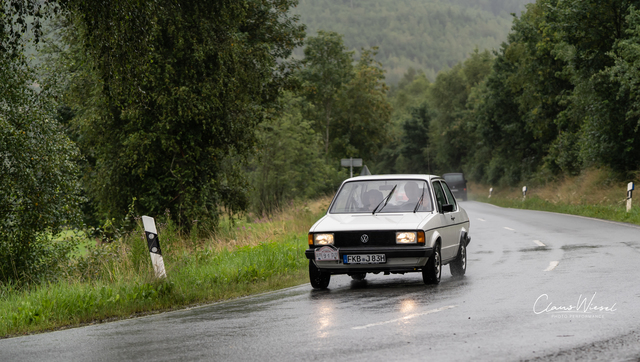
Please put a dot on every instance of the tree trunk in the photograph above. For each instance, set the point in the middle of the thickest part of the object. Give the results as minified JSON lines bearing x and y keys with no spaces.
{"x":327,"y":113}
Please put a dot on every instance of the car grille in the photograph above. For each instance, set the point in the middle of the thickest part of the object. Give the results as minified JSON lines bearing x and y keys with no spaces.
{"x":353,"y":238}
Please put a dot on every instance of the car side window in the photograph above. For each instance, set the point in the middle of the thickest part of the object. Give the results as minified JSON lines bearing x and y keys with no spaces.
{"x":452,"y":200}
{"x":440,"y":199}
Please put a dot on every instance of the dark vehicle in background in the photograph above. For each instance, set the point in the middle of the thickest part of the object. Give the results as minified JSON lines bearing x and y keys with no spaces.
{"x":458,"y":185}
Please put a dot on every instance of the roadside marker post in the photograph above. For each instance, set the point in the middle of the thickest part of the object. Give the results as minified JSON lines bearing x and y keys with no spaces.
{"x":490,"y":192}
{"x":630,"y":188}
{"x":524,"y":192}
{"x":151,"y":234}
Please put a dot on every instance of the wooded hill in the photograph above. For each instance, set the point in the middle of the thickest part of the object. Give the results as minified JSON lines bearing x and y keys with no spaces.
{"x":423,"y":34}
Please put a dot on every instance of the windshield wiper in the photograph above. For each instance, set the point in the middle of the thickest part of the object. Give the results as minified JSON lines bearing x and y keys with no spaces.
{"x":385,"y":200}
{"x":419,"y":202}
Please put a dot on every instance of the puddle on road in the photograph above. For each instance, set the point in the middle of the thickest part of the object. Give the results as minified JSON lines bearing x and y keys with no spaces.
{"x":535,"y":248}
{"x":579,"y":246}
{"x":632,"y":244}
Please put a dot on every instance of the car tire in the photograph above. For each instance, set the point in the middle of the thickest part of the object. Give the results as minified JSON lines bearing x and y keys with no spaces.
{"x":433,"y":269}
{"x":318,"y":279}
{"x":359,"y":276}
{"x":458,"y":266}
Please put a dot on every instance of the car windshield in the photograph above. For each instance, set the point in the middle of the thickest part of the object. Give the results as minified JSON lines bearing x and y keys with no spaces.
{"x":380,"y":195}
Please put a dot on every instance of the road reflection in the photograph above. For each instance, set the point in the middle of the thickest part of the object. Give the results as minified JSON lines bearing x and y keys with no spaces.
{"x":324,"y":310}
{"x":407,"y":306}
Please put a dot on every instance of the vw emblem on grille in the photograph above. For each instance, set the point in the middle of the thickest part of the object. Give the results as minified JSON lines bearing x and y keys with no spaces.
{"x":364,"y":238}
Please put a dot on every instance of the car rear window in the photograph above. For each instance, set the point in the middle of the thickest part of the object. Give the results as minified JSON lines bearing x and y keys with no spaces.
{"x":365,"y":196}
{"x":454,"y":178}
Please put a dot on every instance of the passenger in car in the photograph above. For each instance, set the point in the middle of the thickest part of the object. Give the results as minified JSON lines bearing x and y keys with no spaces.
{"x":371,"y":199}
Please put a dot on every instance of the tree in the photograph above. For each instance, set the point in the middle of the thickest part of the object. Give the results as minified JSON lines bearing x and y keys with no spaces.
{"x":179,"y":89}
{"x":502,"y":154}
{"x":289,"y":163}
{"x":327,"y":68}
{"x":449,"y":94}
{"x":587,"y":32}
{"x":414,"y":145}
{"x":626,"y":70}
{"x":363,"y":111}
{"x":20,"y":17}
{"x":39,"y":191}
{"x":411,"y":91}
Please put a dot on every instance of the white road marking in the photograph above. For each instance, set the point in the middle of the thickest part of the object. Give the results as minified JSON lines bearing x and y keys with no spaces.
{"x":405,"y":317}
{"x":509,"y":229}
{"x":539,"y":243}
{"x":481,"y":219}
{"x":552,"y":265}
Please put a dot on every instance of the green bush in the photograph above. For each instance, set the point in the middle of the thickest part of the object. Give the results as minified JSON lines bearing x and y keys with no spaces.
{"x":38,"y":179}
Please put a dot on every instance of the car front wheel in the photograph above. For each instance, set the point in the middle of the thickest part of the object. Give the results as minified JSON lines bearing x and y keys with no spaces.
{"x":459,"y":265}
{"x":318,"y":279}
{"x":432,"y":271}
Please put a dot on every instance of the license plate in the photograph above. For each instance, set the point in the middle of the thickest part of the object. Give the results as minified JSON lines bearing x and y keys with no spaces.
{"x":364,"y":259}
{"x":327,"y":253}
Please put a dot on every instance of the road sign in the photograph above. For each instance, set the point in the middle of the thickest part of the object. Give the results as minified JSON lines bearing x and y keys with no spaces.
{"x":351,"y":163}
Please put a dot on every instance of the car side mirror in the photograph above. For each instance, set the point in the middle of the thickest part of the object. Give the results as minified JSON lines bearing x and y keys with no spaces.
{"x":447,"y":208}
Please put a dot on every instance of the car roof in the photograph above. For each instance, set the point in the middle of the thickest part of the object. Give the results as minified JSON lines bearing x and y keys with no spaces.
{"x":393,"y":177}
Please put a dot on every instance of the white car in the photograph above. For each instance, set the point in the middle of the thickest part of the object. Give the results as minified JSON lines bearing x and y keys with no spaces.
{"x":389,"y":224}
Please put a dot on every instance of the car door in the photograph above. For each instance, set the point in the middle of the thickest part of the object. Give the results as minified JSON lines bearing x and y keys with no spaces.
{"x":447,"y":230}
{"x":455,"y":217}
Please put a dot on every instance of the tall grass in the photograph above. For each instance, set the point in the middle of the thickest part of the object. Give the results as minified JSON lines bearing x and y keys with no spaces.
{"x":116,"y":280}
{"x":594,"y":193}
{"x":606,"y":212}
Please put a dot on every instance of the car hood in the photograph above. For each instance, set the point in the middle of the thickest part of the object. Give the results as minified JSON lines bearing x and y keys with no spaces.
{"x":349,"y":222}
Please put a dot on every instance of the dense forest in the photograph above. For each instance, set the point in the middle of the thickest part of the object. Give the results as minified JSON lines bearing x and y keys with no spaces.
{"x":195,"y":111}
{"x":558,"y":97}
{"x":422,"y":34}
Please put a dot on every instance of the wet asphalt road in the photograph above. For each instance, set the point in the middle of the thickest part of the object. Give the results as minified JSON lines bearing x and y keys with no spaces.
{"x":523,"y":267}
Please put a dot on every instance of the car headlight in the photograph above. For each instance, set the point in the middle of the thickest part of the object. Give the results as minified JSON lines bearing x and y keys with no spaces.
{"x":410,"y":237}
{"x":406,"y":237}
{"x":323,"y":239}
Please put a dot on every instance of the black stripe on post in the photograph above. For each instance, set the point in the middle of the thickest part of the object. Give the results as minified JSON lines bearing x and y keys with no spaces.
{"x":153,"y":243}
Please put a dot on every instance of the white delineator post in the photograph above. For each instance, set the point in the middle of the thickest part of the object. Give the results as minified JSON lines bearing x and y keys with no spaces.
{"x":630,"y":187}
{"x":524,"y":192}
{"x":151,"y":234}
{"x":490,"y":192}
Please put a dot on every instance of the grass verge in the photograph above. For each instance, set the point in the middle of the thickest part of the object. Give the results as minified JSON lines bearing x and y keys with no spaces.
{"x":115,"y":281}
{"x":591,"y":194}
{"x":606,"y":212}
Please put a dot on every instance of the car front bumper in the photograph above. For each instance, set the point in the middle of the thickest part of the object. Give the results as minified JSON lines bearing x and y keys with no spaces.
{"x":402,"y":259}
